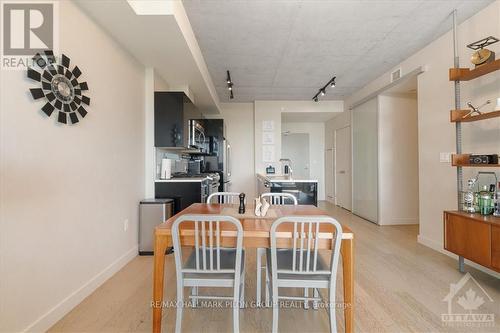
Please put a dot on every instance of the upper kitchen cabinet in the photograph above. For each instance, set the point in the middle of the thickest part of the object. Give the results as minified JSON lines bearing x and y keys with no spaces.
{"x":170,"y":119}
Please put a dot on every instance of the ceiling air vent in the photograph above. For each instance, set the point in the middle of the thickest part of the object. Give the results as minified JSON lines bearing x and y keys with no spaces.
{"x":396,"y":75}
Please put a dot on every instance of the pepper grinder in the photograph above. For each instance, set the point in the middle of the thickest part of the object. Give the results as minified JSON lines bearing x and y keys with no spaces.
{"x":241,"y":210}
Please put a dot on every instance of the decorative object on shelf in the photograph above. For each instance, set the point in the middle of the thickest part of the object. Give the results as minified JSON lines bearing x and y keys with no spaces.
{"x":472,"y":195}
{"x":475,"y":109}
{"x":485,"y":201}
{"x":270,"y":170}
{"x":322,"y":90}
{"x":497,"y":201}
{"x":469,"y":196}
{"x":483,"y":159}
{"x":482,"y":55}
{"x":241,"y":209}
{"x":230,"y":84}
{"x":60,"y":86}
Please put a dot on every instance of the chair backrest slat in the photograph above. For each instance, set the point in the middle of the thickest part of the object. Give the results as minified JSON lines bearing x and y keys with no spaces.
{"x":301,"y":266}
{"x":197,"y":244}
{"x":316,"y":244}
{"x":218,"y":244}
{"x":294,"y":254}
{"x":308,"y":251}
{"x":203,"y":245}
{"x":280,"y":198}
{"x":211,"y":243}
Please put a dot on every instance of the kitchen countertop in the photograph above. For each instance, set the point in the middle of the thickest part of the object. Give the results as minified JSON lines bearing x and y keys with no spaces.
{"x":183,"y":180}
{"x":284,"y":179}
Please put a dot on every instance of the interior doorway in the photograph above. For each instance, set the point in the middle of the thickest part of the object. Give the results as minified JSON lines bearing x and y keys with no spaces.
{"x":295,"y":146}
{"x":342,"y":168}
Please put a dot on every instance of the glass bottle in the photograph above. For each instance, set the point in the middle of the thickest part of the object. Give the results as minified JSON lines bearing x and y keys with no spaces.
{"x":485,"y":200}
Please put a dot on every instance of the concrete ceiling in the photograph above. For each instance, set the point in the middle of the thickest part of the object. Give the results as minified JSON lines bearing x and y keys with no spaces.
{"x":288,"y":49}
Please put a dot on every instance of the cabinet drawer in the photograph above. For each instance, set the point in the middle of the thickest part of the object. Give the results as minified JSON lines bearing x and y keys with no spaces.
{"x":495,"y":248}
{"x":468,"y":238}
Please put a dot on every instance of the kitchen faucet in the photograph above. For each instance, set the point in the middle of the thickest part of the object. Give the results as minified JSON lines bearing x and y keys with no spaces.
{"x":289,"y":164}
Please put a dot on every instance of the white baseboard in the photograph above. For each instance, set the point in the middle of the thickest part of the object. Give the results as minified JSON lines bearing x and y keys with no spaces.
{"x":400,"y":221}
{"x":439,"y":247}
{"x":52,"y":316}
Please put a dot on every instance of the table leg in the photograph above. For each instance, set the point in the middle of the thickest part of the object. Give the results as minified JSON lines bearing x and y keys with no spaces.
{"x":347,"y":251}
{"x":158,"y":275}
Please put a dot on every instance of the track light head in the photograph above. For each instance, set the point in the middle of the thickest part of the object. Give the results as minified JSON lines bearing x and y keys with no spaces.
{"x":315,"y":98}
{"x":323,"y":92}
{"x":332,"y":84}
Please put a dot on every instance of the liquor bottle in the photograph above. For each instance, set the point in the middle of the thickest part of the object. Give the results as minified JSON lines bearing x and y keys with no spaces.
{"x":485,"y":199}
{"x":497,"y":202}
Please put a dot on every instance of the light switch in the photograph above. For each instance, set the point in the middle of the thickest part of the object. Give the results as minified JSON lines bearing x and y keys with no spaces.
{"x":445,"y":157}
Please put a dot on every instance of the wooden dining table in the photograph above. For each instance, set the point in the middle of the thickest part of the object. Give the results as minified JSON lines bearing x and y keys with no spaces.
{"x":255,"y":235}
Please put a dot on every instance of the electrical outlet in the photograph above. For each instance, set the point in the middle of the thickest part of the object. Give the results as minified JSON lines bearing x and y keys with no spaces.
{"x":445,"y":157}
{"x":125,"y":225}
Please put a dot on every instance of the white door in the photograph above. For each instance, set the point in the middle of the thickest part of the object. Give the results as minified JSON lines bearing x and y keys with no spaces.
{"x":330,"y":174}
{"x":295,"y":146}
{"x":365,"y":160}
{"x":343,"y":167}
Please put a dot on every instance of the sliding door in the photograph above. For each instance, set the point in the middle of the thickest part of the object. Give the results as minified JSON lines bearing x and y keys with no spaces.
{"x":365,"y":160}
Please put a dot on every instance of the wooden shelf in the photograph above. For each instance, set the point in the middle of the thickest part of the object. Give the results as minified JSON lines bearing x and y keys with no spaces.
{"x":463,"y":161}
{"x":458,"y":116}
{"x":466,"y":74}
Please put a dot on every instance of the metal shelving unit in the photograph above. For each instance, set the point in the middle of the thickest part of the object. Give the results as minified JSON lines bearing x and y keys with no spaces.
{"x":457,"y":75}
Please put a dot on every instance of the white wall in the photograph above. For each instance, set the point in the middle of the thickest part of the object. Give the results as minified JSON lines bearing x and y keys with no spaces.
{"x":316,"y":133}
{"x":397,"y":159}
{"x":65,"y":190}
{"x":437,"y":181}
{"x":239,"y":120}
{"x":271,"y":110}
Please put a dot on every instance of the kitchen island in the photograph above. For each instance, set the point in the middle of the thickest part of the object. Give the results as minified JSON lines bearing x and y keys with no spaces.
{"x":305,"y":190}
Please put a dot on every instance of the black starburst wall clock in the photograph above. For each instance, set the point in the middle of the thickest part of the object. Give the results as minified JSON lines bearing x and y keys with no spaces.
{"x":60,"y":86}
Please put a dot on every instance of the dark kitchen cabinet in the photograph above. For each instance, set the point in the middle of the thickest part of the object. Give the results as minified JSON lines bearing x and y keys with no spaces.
{"x":305,"y":192}
{"x":169,"y":119}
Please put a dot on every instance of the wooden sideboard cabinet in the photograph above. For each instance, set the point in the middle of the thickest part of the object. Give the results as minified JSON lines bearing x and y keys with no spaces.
{"x":474,"y":237}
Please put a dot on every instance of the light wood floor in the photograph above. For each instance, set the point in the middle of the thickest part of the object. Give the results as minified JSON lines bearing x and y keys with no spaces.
{"x":399,"y":287}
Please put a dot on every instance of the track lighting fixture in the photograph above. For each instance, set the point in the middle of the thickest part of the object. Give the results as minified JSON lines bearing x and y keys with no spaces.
{"x":322,"y":91}
{"x":229,"y":85}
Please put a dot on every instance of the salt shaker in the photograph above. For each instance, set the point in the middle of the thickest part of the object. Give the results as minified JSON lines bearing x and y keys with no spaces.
{"x":241,"y":210}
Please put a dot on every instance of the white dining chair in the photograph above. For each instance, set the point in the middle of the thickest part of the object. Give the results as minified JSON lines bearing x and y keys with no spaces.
{"x":224,"y":197}
{"x":274,"y":199}
{"x":209,"y":264}
{"x":301,"y":266}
